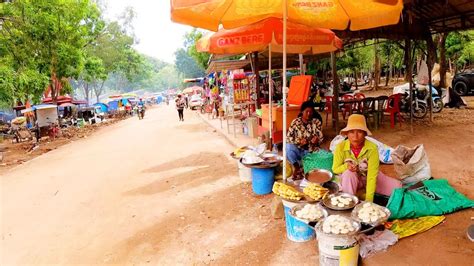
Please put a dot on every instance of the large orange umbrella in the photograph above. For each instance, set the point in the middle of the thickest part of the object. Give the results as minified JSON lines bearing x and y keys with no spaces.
{"x":258,"y":36}
{"x":330,"y":14}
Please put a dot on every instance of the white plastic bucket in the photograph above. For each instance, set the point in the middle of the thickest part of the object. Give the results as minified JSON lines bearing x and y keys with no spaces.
{"x":245,"y":173}
{"x":337,"y":250}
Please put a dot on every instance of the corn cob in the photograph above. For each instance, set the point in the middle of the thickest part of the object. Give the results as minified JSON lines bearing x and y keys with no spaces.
{"x":315,"y":191}
{"x":286,"y":191}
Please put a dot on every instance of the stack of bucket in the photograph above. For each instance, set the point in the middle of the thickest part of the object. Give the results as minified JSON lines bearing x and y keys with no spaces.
{"x":335,"y":250}
{"x":245,"y":173}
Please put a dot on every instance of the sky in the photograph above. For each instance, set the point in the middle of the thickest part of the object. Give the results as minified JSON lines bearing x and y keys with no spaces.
{"x":158,"y":36}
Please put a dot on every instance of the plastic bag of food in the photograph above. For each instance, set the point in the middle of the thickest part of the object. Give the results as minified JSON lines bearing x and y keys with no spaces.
{"x":411,"y":164}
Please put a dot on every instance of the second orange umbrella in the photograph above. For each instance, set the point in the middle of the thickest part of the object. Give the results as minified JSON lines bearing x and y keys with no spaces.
{"x":258,"y":36}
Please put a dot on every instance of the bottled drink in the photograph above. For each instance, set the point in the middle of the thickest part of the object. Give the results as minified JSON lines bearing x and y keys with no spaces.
{"x":275,"y":149}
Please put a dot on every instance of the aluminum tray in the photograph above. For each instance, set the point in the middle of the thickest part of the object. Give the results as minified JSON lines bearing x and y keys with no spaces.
{"x":380,"y":221}
{"x":327,"y":201}
{"x":301,"y":206}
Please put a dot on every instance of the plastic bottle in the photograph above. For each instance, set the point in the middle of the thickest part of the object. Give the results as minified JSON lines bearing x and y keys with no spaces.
{"x":275,"y":149}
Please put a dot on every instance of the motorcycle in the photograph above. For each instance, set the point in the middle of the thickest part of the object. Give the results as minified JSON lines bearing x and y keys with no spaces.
{"x":436,"y":101}
{"x":419,"y":104}
{"x":141,"y":112}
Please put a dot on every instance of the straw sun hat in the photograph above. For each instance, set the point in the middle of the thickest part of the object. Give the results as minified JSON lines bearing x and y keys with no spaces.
{"x":356,"y":121}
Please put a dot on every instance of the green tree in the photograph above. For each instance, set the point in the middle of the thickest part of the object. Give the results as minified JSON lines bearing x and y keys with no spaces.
{"x":460,"y":48}
{"x":48,"y":37}
{"x":112,"y":47}
{"x":187,"y":65}
{"x":190,"y":40}
{"x":93,"y":74}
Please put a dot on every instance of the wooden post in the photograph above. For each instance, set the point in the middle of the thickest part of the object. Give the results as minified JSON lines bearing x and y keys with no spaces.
{"x":431,"y":58}
{"x":257,"y":78}
{"x":442,"y":62}
{"x":335,"y":89}
{"x":409,"y":69}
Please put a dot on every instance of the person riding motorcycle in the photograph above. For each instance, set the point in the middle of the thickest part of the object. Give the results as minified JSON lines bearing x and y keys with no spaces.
{"x":141,"y":108}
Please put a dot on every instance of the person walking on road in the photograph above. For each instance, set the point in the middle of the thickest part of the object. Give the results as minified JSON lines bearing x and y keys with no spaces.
{"x":180,"y":103}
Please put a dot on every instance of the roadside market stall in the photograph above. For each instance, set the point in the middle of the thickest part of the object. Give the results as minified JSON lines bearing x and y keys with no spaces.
{"x":46,"y":119}
{"x":263,"y":35}
{"x":333,"y":15}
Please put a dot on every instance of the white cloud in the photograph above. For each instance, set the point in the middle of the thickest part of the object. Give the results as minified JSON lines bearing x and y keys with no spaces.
{"x":158,"y":36}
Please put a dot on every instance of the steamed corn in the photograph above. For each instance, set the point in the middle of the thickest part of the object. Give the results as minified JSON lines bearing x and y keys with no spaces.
{"x":286,"y":191}
{"x":315,"y":191}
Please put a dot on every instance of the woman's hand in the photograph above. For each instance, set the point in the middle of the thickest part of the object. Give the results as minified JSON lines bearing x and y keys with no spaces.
{"x":352,"y":167}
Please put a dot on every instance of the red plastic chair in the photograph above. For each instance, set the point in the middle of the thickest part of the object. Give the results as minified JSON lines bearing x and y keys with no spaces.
{"x":347,"y":107}
{"x":358,"y":107}
{"x":328,"y":107}
{"x":393,"y":109}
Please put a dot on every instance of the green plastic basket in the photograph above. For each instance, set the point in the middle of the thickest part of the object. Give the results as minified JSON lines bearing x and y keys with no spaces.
{"x":321,"y":159}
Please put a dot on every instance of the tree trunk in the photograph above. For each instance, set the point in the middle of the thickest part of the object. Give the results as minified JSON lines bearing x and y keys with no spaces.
{"x":355,"y":78}
{"x":442,"y":60}
{"x":86,"y":92}
{"x":98,"y":91}
{"x":376,"y":66}
{"x":432,"y":48}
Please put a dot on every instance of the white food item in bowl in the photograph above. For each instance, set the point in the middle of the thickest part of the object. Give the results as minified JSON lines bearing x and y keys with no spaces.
{"x":341,"y":201}
{"x":309,"y":212}
{"x":371,"y":213}
{"x":337,"y":224}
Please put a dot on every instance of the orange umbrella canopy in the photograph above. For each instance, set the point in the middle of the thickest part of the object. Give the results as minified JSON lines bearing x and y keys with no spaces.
{"x":257,"y":36}
{"x":330,"y":14}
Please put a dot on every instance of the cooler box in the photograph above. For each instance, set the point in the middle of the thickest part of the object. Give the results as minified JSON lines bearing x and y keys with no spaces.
{"x":299,"y":89}
{"x":292,"y":112}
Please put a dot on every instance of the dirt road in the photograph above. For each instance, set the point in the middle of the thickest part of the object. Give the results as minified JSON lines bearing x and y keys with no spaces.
{"x":160,"y":191}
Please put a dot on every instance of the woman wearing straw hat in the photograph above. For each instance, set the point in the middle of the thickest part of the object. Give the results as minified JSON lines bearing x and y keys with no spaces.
{"x":304,"y":136}
{"x":357,"y":161}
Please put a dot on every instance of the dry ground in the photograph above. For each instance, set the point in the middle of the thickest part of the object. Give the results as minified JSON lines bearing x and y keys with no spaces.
{"x":160,"y":191}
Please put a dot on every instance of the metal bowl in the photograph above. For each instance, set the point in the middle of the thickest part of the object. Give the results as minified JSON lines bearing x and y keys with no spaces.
{"x":319,"y":228}
{"x":327,"y":201}
{"x":355,"y":212}
{"x":301,"y":206}
{"x":326,"y":172}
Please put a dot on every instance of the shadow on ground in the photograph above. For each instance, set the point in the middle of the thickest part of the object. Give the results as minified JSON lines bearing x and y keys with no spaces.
{"x":208,"y":166}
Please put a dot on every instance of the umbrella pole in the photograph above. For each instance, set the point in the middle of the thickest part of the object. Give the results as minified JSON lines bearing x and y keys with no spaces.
{"x":300,"y":57}
{"x":284,"y":87}
{"x":270,"y":93}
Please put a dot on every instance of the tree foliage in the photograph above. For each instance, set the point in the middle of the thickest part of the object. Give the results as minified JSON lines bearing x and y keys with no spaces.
{"x":187,"y":65}
{"x":460,"y":48}
{"x":190,"y":40}
{"x":46,"y":38}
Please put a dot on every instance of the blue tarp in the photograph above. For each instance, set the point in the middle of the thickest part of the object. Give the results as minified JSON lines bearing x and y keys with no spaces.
{"x":6,"y":117}
{"x":104,"y":108}
{"x":113,"y":105}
